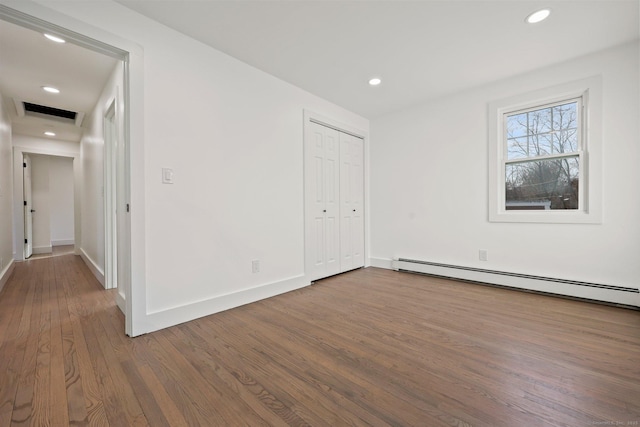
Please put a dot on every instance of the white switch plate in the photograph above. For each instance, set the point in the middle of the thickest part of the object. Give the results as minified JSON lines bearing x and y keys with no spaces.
{"x":255,"y":266}
{"x":483,"y":254}
{"x":167,"y":176}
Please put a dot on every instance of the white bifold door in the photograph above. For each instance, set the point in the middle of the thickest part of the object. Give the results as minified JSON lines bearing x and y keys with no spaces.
{"x":334,"y":201}
{"x":351,"y":202}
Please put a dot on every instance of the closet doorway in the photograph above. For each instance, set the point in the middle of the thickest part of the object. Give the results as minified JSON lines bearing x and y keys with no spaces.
{"x":334,"y":199}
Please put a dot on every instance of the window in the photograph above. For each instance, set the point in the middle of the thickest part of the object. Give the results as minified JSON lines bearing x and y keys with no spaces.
{"x":545,"y":156}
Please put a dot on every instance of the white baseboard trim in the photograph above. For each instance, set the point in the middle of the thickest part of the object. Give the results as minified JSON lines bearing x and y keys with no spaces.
{"x":174,"y":316}
{"x":120,"y":302}
{"x":42,"y":250}
{"x":95,"y":268}
{"x":66,"y":242}
{"x":381,"y":263}
{"x":627,"y":296}
{"x":6,"y":273}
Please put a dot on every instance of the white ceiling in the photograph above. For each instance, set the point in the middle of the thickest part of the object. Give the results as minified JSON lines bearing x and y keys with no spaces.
{"x":421,"y":49}
{"x":29,"y":61}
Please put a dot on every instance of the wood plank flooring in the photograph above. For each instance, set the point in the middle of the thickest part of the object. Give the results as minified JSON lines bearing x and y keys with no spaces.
{"x":56,"y":251}
{"x":370,"y":347}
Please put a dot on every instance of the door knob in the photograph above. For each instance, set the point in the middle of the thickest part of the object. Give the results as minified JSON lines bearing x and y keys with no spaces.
{"x":324,"y":210}
{"x":33,"y":210}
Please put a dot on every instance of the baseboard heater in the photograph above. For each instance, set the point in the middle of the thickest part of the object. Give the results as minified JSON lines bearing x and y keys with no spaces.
{"x":619,"y":295}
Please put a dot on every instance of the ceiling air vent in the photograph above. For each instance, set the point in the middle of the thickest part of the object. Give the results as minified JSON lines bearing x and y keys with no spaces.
{"x":49,"y":113}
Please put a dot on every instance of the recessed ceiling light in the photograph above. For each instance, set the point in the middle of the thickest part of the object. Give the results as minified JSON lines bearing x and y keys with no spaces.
{"x":55,"y":38}
{"x":375,"y":81}
{"x":50,"y":89}
{"x":538,"y":16}
{"x":49,"y":133}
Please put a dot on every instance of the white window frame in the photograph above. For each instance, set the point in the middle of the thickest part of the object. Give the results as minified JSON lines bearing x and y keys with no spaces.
{"x":589,"y":94}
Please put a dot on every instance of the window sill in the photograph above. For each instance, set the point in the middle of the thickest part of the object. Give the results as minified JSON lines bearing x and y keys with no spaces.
{"x":546,"y":217}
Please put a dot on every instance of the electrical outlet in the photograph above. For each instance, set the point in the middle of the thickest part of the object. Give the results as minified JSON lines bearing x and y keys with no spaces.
{"x":255,"y":266}
{"x":483,"y":254}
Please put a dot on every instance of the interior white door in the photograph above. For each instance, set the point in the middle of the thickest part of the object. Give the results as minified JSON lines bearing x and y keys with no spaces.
{"x":122,"y":209}
{"x":351,"y":202}
{"x":28,"y":206}
{"x":111,"y":218}
{"x":322,"y":203}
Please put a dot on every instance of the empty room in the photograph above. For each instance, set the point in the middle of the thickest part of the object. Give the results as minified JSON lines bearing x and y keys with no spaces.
{"x":323,"y":213}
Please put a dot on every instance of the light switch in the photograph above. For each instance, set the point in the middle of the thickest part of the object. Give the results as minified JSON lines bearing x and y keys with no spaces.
{"x":167,"y":176}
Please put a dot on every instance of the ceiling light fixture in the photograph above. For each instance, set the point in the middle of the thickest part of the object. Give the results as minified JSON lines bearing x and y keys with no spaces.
{"x":375,"y":81}
{"x":538,"y":16}
{"x":49,"y":133}
{"x":55,"y":38}
{"x":50,"y":89}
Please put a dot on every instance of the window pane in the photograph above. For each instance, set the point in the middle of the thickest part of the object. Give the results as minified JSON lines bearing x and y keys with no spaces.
{"x":517,"y":125}
{"x":565,"y":141}
{"x":542,"y":184}
{"x":540,"y":145}
{"x":550,"y":130}
{"x":517,"y":148}
{"x":564,"y":116}
{"x":540,"y":121}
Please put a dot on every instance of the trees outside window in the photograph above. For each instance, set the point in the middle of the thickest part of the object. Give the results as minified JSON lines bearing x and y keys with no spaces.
{"x":542,"y":157}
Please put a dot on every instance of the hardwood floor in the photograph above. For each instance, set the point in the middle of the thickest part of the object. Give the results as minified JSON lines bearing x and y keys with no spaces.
{"x":56,"y":251}
{"x":370,"y":347}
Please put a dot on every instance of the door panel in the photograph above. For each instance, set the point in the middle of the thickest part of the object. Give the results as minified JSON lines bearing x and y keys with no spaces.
{"x":319,"y":242}
{"x":351,"y":202}
{"x":346,"y":253}
{"x":322,"y":207}
{"x":332,"y":252}
{"x":357,"y":200}
{"x":319,"y":181}
{"x":28,"y":207}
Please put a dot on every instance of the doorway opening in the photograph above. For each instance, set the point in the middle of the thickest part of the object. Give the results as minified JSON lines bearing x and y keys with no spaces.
{"x":91,"y":168}
{"x":49,"y":205}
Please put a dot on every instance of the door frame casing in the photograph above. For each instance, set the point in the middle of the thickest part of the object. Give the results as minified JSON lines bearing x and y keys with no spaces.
{"x":311,"y":116}
{"x":40,"y":18}
{"x":110,"y":196}
{"x":18,"y":194}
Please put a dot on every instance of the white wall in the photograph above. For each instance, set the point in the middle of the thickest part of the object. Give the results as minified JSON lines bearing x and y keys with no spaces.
{"x":233,"y":135}
{"x":429,"y":181}
{"x":32,"y":144}
{"x":6,"y":192}
{"x":92,"y":157}
{"x":61,"y":188}
{"x":53,"y":202}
